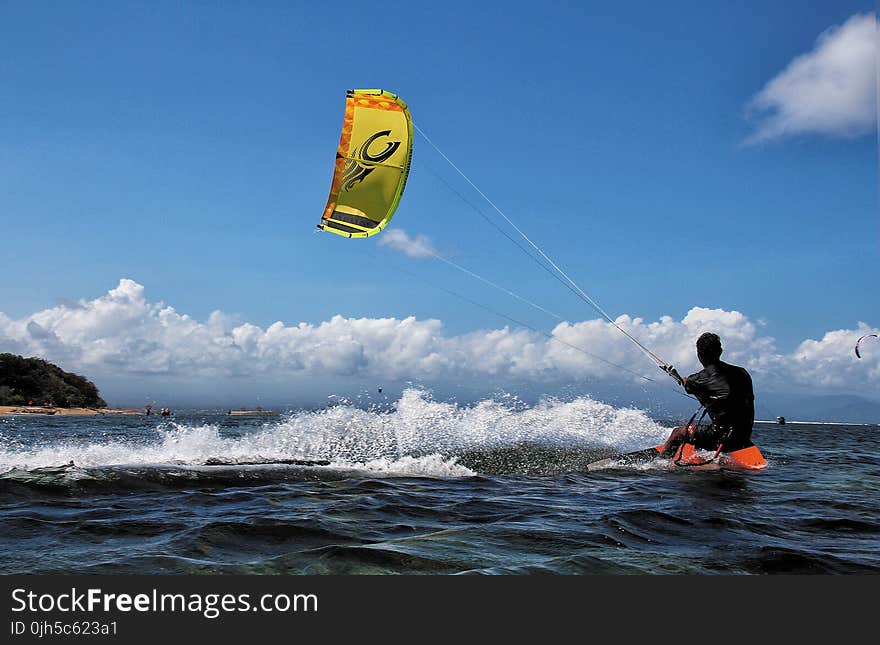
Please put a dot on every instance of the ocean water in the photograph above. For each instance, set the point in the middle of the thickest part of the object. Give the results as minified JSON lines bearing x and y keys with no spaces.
{"x":426,"y":487}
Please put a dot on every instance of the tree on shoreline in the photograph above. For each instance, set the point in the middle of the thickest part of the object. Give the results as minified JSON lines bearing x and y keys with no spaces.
{"x":23,"y":380}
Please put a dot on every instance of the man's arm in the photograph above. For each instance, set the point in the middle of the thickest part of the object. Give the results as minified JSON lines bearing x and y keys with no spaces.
{"x":698,"y":385}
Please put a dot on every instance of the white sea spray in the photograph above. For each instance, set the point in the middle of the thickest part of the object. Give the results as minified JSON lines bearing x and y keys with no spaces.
{"x":417,"y":436}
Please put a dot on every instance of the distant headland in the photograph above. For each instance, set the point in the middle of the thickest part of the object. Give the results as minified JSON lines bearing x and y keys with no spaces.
{"x":36,"y":386}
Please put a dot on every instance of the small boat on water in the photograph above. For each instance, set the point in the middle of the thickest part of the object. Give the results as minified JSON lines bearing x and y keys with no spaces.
{"x":257,"y":412}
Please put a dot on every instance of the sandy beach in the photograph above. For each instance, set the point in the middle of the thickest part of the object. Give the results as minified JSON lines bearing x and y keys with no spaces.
{"x":14,"y":410}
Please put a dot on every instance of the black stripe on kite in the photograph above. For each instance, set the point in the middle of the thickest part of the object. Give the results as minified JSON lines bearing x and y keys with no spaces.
{"x":340,"y":227}
{"x":357,"y":220}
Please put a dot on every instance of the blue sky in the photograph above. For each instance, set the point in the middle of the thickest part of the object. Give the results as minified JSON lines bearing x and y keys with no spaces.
{"x":189,"y":149}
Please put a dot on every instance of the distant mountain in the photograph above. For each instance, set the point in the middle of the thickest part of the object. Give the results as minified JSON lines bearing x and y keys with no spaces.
{"x":828,"y":407}
{"x":26,"y":380}
{"x":668,"y":405}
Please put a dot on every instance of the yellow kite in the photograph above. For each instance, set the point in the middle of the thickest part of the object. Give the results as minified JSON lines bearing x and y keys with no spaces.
{"x":372,"y":164}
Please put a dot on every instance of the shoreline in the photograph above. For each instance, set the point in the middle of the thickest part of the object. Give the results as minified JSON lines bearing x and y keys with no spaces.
{"x":26,"y":410}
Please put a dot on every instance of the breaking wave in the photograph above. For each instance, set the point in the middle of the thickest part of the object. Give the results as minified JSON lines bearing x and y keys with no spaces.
{"x":417,"y":436}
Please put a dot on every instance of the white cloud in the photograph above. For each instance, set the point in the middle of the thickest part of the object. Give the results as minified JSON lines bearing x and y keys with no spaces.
{"x":831,"y":361}
{"x":122,"y":336}
{"x":829,"y":90}
{"x":415,"y":247}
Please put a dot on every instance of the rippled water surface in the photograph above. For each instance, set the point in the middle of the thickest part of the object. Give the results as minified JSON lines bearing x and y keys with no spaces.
{"x":425,"y":487}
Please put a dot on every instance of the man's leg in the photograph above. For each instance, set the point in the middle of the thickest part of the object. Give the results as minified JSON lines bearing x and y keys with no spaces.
{"x":676,"y":438}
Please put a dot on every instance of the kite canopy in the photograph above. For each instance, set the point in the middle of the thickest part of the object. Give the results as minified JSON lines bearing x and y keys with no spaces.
{"x":372,"y":164}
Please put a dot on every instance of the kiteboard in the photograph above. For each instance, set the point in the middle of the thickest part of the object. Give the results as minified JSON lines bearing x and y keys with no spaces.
{"x":748,"y":458}
{"x":216,"y":461}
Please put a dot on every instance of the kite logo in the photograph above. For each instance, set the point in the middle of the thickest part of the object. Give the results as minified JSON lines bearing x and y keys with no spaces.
{"x":355,"y":172}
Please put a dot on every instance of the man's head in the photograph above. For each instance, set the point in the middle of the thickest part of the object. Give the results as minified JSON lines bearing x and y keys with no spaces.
{"x":708,"y":348}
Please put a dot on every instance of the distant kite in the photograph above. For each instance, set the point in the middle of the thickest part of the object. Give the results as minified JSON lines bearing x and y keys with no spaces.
{"x":860,"y":340}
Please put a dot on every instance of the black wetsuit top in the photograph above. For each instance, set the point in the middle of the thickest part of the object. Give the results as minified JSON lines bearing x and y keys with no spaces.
{"x":726,"y":392}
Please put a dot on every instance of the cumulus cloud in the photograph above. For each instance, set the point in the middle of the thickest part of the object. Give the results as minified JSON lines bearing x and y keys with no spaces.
{"x":415,"y":247}
{"x":122,"y":335}
{"x":830,"y":90}
{"x":817,"y":361}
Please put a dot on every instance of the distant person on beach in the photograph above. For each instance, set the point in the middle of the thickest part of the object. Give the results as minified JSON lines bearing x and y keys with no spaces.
{"x":726,"y":392}
{"x":148,"y":409}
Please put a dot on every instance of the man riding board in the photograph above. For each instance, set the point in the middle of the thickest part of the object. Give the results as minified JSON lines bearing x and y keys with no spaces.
{"x":726,"y":392}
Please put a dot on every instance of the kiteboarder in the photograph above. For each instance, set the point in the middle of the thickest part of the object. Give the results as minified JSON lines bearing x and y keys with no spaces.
{"x":726,"y":392}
